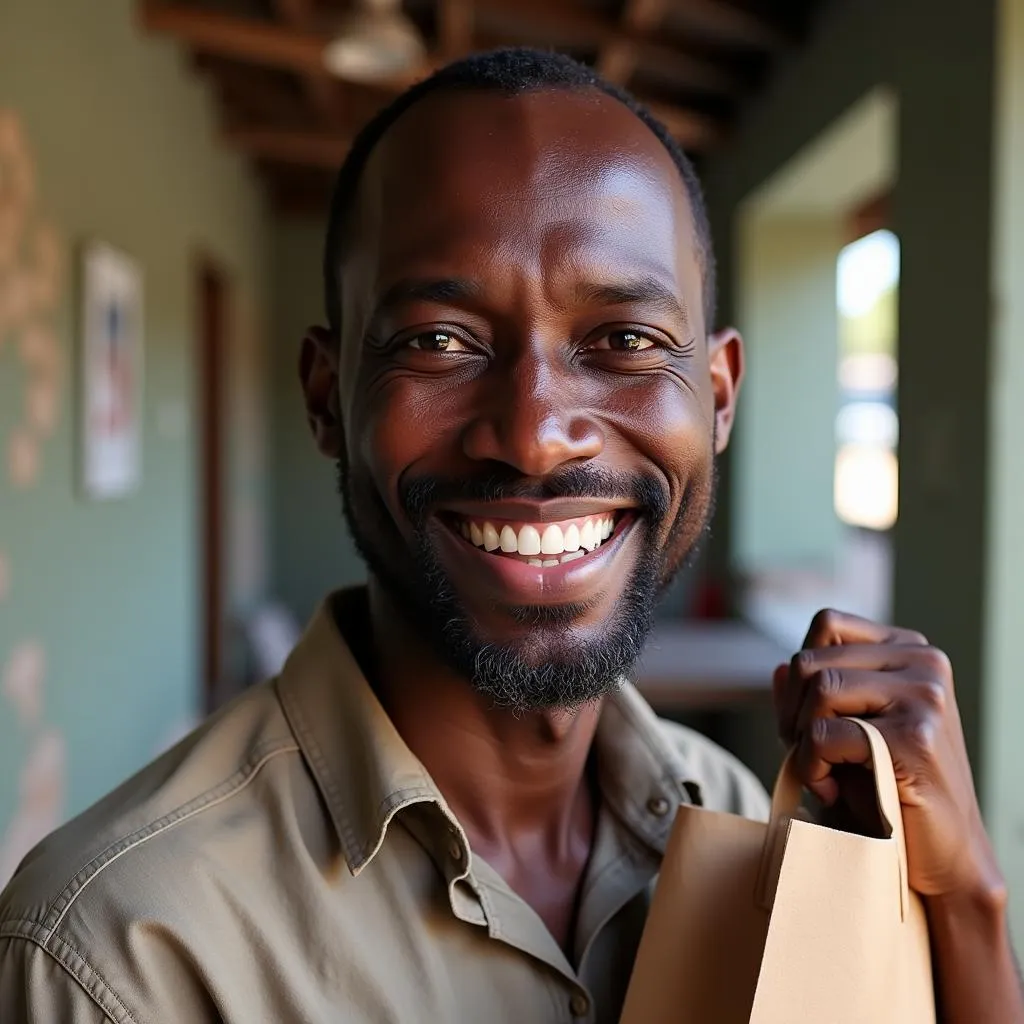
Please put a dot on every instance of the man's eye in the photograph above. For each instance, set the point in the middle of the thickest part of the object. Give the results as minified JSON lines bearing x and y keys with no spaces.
{"x":624,"y":341}
{"x":438,"y":341}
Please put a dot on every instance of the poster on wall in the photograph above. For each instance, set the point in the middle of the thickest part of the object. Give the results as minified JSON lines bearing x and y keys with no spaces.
{"x":111,"y":372}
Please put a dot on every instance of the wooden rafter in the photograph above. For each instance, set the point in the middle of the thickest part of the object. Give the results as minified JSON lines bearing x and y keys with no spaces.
{"x":618,"y":59}
{"x":247,"y":39}
{"x":302,"y":51}
{"x":305,"y":149}
{"x":691,"y":130}
{"x":729,"y":25}
{"x":256,"y":94}
{"x":455,"y":27}
{"x":295,"y":119}
{"x":319,"y":85}
{"x":561,"y":24}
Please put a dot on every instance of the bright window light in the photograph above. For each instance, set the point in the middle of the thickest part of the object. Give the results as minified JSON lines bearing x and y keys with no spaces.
{"x":866,"y":480}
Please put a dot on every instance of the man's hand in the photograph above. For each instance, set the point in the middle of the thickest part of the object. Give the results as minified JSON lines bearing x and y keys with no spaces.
{"x":851,"y":667}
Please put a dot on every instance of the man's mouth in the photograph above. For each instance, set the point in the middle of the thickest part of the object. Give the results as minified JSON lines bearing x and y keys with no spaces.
{"x":543,"y":545}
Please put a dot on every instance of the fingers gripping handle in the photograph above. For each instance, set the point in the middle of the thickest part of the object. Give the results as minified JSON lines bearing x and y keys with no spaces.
{"x":786,"y":798}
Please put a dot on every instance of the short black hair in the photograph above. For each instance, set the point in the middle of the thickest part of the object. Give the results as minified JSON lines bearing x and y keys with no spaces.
{"x":510,"y":72}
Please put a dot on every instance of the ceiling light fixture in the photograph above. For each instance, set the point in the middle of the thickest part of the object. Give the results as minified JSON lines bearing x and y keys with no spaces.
{"x":375,"y":43}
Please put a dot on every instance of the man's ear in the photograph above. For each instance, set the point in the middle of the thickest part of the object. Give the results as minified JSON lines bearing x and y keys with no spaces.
{"x":725,"y":356}
{"x":318,"y":373}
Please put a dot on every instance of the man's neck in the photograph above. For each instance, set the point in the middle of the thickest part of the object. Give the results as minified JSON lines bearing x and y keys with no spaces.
{"x":516,"y":781}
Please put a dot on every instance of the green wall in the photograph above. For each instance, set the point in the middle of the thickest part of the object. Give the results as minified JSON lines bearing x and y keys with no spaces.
{"x":784,"y":445}
{"x":312,"y":552}
{"x":124,"y":143}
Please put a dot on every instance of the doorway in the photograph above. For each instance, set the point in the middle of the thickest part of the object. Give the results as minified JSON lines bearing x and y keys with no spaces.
{"x":212,"y":292}
{"x":815,"y":461}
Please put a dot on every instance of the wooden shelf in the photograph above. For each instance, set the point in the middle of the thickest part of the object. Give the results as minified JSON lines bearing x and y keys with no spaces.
{"x":700,"y":666}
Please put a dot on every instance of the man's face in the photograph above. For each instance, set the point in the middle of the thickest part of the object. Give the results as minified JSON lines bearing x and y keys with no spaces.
{"x":529,"y":402}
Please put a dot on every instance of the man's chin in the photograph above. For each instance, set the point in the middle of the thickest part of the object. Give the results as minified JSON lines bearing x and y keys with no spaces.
{"x":549,"y":656}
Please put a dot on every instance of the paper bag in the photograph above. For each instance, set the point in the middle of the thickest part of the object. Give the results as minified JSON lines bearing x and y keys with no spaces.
{"x":784,"y":923}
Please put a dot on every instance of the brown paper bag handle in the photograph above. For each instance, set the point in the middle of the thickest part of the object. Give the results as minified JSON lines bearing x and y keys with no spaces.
{"x":786,"y":798}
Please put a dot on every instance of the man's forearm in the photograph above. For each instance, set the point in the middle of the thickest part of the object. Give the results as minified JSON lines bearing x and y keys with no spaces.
{"x":977,"y":980}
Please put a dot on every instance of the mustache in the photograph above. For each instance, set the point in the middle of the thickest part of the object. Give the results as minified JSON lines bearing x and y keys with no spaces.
{"x":421,"y":494}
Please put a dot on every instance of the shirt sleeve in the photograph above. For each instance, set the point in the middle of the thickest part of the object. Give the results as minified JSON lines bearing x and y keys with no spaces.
{"x":35,"y":989}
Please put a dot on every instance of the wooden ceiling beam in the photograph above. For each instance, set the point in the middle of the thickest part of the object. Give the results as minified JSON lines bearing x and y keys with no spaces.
{"x":695,"y":132}
{"x":304,"y":149}
{"x":244,"y":39}
{"x":257,"y":42}
{"x":556,"y":24}
{"x":249,"y":40}
{"x":455,"y":28}
{"x":320,"y":87}
{"x":729,"y":25}
{"x":618,"y":59}
{"x":262,"y":99}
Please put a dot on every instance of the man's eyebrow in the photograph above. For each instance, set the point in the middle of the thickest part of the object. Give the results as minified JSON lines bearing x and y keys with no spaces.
{"x":647,"y":291}
{"x":442,"y":291}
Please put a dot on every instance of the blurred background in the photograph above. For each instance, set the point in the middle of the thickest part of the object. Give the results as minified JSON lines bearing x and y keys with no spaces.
{"x":166,"y":527}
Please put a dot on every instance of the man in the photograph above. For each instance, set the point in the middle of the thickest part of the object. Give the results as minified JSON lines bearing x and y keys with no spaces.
{"x":449,"y":807}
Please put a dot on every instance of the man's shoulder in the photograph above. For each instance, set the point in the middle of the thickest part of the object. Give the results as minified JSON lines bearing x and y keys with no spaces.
{"x":131,"y":846}
{"x":726,"y":783}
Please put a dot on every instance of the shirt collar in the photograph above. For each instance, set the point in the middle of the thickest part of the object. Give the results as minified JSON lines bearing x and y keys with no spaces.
{"x":367,"y":774}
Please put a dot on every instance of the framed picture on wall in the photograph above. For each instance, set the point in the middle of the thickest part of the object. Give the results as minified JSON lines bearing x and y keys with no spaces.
{"x":110,"y":370}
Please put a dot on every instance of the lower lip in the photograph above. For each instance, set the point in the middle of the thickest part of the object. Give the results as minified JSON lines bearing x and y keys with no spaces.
{"x":521,"y":582}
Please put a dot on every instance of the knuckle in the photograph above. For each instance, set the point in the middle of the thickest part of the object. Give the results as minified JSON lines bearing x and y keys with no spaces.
{"x":937,"y":663}
{"x":804,"y":661}
{"x":827,"y":620}
{"x":912,"y":636}
{"x":819,"y":732}
{"x":827,"y":683}
{"x":933,"y":695}
{"x":922,"y":735}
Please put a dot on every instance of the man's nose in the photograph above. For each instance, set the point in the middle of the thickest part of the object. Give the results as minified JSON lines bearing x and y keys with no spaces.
{"x":530,"y":418}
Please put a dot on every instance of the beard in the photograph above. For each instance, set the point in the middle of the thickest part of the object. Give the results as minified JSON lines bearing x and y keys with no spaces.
{"x":556,"y":667}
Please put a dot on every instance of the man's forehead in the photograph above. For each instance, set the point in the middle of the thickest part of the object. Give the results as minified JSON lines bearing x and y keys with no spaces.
{"x":470,"y":163}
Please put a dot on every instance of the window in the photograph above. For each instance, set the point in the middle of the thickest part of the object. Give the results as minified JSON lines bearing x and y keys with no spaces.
{"x":865,"y":488}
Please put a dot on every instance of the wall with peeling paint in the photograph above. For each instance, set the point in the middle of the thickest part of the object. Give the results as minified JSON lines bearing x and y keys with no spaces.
{"x":108,"y":135}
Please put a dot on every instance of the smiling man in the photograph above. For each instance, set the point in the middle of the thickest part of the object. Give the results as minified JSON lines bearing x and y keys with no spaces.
{"x":450,"y":806}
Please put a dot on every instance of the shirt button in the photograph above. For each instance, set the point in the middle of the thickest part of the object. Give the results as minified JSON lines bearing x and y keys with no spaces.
{"x":455,"y":849}
{"x":658,"y":805}
{"x":579,"y":1005}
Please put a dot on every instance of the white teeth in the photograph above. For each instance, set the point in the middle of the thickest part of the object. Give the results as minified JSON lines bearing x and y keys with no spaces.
{"x":548,"y":562}
{"x":529,"y":541}
{"x":588,"y":536}
{"x":573,"y":540}
{"x":571,"y":556}
{"x":536,"y":561}
{"x":552,"y":543}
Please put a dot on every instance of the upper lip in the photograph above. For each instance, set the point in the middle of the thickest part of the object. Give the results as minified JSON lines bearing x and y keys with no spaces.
{"x":550,"y":511}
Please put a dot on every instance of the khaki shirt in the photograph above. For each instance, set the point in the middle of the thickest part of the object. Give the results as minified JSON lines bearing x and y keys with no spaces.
{"x":292,"y":861}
